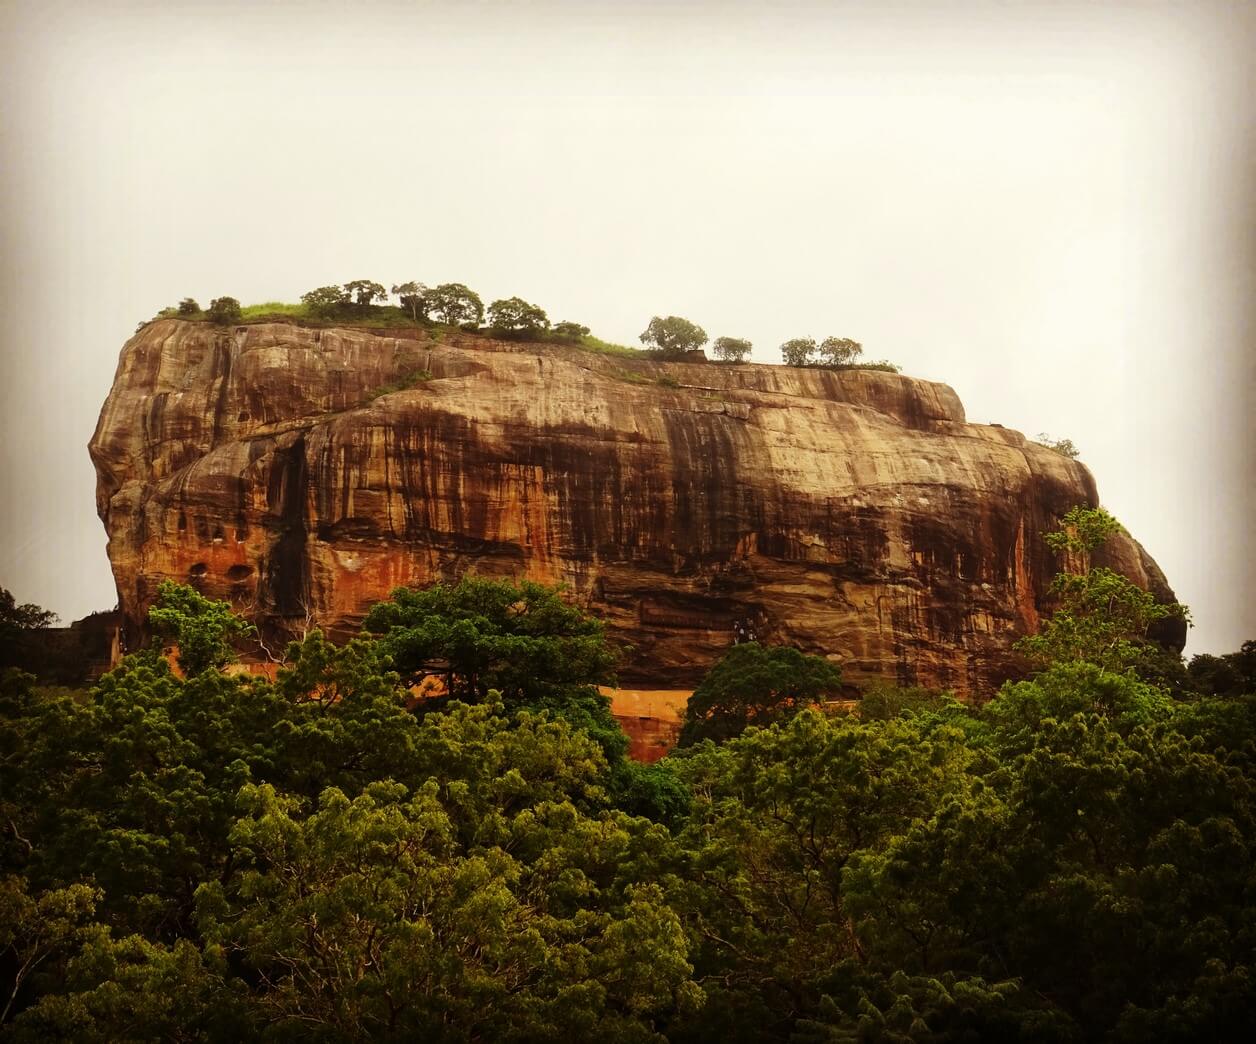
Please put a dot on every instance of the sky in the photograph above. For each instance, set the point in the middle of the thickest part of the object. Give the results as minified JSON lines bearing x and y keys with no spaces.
{"x":1047,"y":205}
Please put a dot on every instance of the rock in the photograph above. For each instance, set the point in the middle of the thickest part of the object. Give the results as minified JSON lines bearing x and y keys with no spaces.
{"x":304,"y":473}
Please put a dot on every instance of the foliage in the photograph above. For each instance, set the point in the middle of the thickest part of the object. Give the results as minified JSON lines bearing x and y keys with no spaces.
{"x":201,"y":628}
{"x":755,"y":685}
{"x":519,"y":639}
{"x":364,"y":291}
{"x":731,"y":349}
{"x":833,"y":352}
{"x":569,"y":332}
{"x":1064,"y":447}
{"x":673,"y":336}
{"x":515,"y":317}
{"x":1233,"y":674}
{"x":19,"y":631}
{"x":799,"y":351}
{"x":413,"y":298}
{"x":1100,"y":616}
{"x":666,"y":380}
{"x":454,"y":304}
{"x":838,"y":351}
{"x":188,"y":306}
{"x":224,"y":857}
{"x":223,"y":310}
{"x":325,"y":301}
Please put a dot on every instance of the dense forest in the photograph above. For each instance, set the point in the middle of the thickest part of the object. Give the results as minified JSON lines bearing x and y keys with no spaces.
{"x":196,"y":853}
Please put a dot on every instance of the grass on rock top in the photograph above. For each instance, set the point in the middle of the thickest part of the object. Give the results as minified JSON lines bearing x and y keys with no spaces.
{"x":390,"y":317}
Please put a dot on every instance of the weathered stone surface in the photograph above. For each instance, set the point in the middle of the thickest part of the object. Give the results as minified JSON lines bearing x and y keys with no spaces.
{"x":854,"y":514}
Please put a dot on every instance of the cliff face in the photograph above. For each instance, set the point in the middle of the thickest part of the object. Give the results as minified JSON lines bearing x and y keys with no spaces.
{"x":854,"y":514}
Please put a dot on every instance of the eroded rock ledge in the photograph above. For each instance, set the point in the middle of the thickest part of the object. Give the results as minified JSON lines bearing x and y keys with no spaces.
{"x":855,"y":514}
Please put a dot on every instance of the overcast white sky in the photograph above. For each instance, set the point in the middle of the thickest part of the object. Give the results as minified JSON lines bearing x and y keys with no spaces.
{"x":1049,"y":206}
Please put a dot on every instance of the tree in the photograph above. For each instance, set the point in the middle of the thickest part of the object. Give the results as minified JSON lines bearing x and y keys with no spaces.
{"x":838,"y":351}
{"x":519,"y":639}
{"x":1064,"y":447}
{"x":224,"y":310}
{"x":731,"y":349}
{"x":514,"y":317}
{"x":364,"y":292}
{"x":413,"y":298}
{"x":325,"y":301}
{"x":188,"y":306}
{"x":454,"y":304}
{"x":799,"y":351}
{"x":673,"y":336}
{"x":1100,"y":616}
{"x":202,"y":629}
{"x":755,"y":685}
{"x":19,"y":629}
{"x":569,"y":331}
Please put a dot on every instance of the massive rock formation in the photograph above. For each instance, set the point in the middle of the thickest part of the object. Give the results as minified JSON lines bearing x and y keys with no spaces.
{"x":304,"y":473}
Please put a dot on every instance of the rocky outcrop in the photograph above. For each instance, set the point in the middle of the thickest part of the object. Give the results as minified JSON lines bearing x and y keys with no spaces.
{"x":304,"y":473}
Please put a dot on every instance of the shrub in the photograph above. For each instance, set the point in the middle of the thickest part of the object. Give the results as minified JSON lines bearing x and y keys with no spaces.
{"x":224,"y":310}
{"x":188,"y":306}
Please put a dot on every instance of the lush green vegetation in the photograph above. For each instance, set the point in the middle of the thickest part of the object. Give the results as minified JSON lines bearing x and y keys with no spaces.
{"x":363,"y":302}
{"x":222,"y":857}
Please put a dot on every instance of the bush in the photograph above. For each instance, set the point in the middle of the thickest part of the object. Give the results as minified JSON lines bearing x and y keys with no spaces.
{"x":188,"y":306}
{"x":224,"y":310}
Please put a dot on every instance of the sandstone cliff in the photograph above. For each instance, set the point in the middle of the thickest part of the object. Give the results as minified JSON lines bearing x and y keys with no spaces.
{"x":292,"y":471}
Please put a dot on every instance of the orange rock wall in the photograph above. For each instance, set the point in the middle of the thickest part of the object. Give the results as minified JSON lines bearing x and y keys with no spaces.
{"x":854,"y":514}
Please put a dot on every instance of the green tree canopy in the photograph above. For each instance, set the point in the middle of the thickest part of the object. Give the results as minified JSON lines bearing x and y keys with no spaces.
{"x":838,"y":351}
{"x":799,"y":352}
{"x":188,"y":306}
{"x":202,"y":629}
{"x":364,"y":292}
{"x":413,"y":298}
{"x":515,"y":317}
{"x":454,"y":304}
{"x":731,"y":349}
{"x":1100,"y":616}
{"x":325,"y":301}
{"x":756,"y":684}
{"x":224,"y":310}
{"x":570,"y":331}
{"x":672,"y":336}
